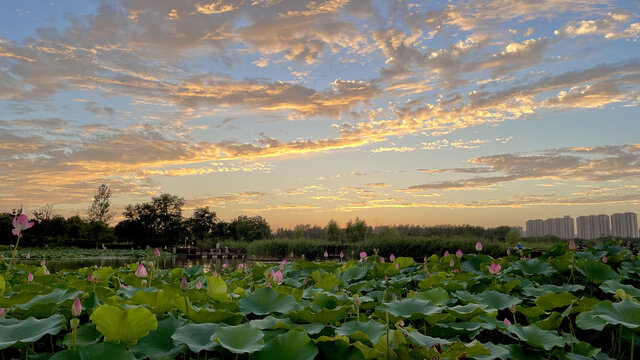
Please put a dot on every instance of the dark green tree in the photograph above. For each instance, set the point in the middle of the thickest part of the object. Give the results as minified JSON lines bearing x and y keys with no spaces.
{"x":356,"y":230}
{"x":245,"y":228}
{"x":100,"y":209}
{"x":333,"y":231}
{"x":202,"y":223}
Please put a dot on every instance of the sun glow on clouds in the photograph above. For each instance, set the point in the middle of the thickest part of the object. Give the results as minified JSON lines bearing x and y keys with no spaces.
{"x":323,"y":109}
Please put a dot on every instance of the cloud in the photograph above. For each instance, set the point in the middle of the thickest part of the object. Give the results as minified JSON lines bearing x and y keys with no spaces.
{"x":217,"y":201}
{"x":610,"y":163}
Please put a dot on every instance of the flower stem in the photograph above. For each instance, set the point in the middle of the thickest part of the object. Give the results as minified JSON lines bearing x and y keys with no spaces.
{"x":13,"y":255}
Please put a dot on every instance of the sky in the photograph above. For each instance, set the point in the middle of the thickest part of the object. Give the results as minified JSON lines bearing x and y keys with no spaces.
{"x":482,"y":112}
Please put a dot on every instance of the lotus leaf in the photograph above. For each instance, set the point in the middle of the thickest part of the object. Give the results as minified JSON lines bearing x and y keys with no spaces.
{"x":87,"y":335}
{"x":326,"y":281}
{"x":337,"y":348}
{"x":217,"y":289}
{"x":552,"y":300}
{"x":205,"y":315}
{"x":157,"y":301}
{"x":597,"y":271}
{"x":611,"y":286}
{"x":626,"y":313}
{"x":101,"y":351}
{"x":467,"y":312}
{"x":294,"y":345}
{"x":239,"y":339}
{"x":537,"y":337}
{"x":362,"y":330}
{"x":56,"y":297}
{"x":437,"y":296}
{"x":28,"y":330}
{"x":418,"y":339}
{"x":411,"y":308}
{"x":192,"y":271}
{"x":266,"y":301}
{"x":531,"y":267}
{"x":159,"y":344}
{"x":196,"y":336}
{"x":123,"y":326}
{"x":490,"y":298}
{"x":548,"y":288}
{"x":354,"y":274}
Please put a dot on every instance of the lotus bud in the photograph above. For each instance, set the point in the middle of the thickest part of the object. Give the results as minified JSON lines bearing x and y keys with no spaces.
{"x":144,"y":282}
{"x":3,"y":313}
{"x":513,"y":309}
{"x":270,"y":274}
{"x":397,"y":266}
{"x":446,"y":253}
{"x":240,"y":267}
{"x":335,"y":288}
{"x":156,"y":252}
{"x":341,"y":254}
{"x":28,"y":255}
{"x":89,"y":278}
{"x":224,"y":266}
{"x":43,"y":262}
{"x":304,"y":281}
{"x":382,"y":259}
{"x":508,"y":252}
{"x":46,"y":271}
{"x":455,"y":270}
{"x":141,"y":272}
{"x":392,"y":257}
{"x":183,"y":284}
{"x":30,"y":277}
{"x":198,"y":285}
{"x":507,"y":322}
{"x":76,"y":308}
{"x":268,"y":285}
{"x":572,"y":244}
{"x":386,"y":278}
{"x":215,"y":273}
{"x":459,"y":254}
{"x":604,"y":258}
{"x":363,"y":255}
{"x":478,"y":246}
{"x":326,"y":254}
{"x":277,"y":277}
{"x":451,"y":263}
{"x":394,"y":297}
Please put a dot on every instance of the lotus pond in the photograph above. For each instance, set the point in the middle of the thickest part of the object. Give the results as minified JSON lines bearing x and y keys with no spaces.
{"x":563,"y":305}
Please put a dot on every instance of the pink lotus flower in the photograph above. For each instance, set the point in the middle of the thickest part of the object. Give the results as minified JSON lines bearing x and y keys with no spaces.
{"x":224,"y":266}
{"x":183,"y":284}
{"x":198,"y":285}
{"x":76,"y":308}
{"x":46,"y":271}
{"x":28,"y":255}
{"x":326,"y":254}
{"x":397,"y":266}
{"x":508,"y":252}
{"x":363,"y":255}
{"x":215,"y":273}
{"x":268,"y":285}
{"x":478,"y":246}
{"x":494,"y":268}
{"x":156,"y":252}
{"x":89,"y":277}
{"x":604,"y":258}
{"x":341,"y":254}
{"x":459,"y":254}
{"x":141,"y":272}
{"x":381,"y":259}
{"x":572,"y":244}
{"x":277,"y":277}
{"x":3,"y":313}
{"x":394,"y":297}
{"x":270,"y":274}
{"x":21,"y":223}
{"x":43,"y":262}
{"x":452,"y":263}
{"x":30,"y":277}
{"x":507,"y":322}
{"x":392,"y":257}
{"x":240,"y":267}
{"x":446,"y":253}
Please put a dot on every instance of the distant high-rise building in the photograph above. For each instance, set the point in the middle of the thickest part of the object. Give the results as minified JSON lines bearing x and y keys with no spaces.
{"x":624,"y":225}
{"x":563,"y":228}
{"x":535,"y":228}
{"x":593,"y":226}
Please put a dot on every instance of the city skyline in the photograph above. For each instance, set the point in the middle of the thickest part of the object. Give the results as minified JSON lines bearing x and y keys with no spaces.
{"x":479,"y":112}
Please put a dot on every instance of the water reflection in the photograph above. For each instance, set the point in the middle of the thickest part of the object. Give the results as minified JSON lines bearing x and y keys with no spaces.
{"x":209,"y":264}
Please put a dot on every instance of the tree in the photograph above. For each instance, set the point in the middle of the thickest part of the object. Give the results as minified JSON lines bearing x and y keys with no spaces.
{"x":168,"y":211}
{"x":356,"y":231}
{"x":513,"y":236}
{"x":201,"y":223}
{"x":245,"y":228}
{"x":100,"y":209}
{"x":333,"y":231}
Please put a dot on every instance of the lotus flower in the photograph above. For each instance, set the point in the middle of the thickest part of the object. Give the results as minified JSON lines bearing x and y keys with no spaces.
{"x":446,"y":253}
{"x":381,"y":259}
{"x":76,"y":308}
{"x":508,"y":252}
{"x":507,"y":322}
{"x":277,"y":277}
{"x":90,"y":277}
{"x":513,"y":309}
{"x":215,"y":273}
{"x":20,"y":223}
{"x":394,"y":297}
{"x":397,"y":266}
{"x":392,"y":257}
{"x":452,"y":263}
{"x":141,"y":272}
{"x":224,"y":266}
{"x":478,"y":246}
{"x":459,"y":254}
{"x":341,"y":254}
{"x":3,"y":313}
{"x":30,"y":277}
{"x":156,"y":252}
{"x":46,"y":271}
{"x":43,"y":262}
{"x":198,"y":285}
{"x":363,"y":255}
{"x":495,"y":268}
{"x":604,"y":258}
{"x":240,"y":267}
{"x":572,"y":244}
{"x":268,"y":285}
{"x":28,"y":255}
{"x":326,"y":254}
{"x":183,"y":284}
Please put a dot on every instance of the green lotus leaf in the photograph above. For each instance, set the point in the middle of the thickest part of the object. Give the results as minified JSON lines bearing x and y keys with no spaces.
{"x":323,"y":316}
{"x":417,"y":338}
{"x":611,"y":286}
{"x":56,"y":297}
{"x":552,"y":321}
{"x":123,"y":326}
{"x":469,"y":311}
{"x":239,"y":339}
{"x":159,"y":343}
{"x":547,"y":288}
{"x":354,"y":274}
{"x":551,"y":300}
{"x":294,"y":345}
{"x":466,"y":327}
{"x":411,"y":308}
{"x":326,"y":281}
{"x":461,"y":350}
{"x":266,"y":301}
{"x":597,"y":271}
{"x":87,"y":335}
{"x":205,"y":315}
{"x":476,"y":263}
{"x":530,"y":312}
{"x":104,"y":273}
{"x":128,"y":292}
{"x":520,"y":352}
{"x":537,"y":337}
{"x":28,"y":330}
{"x":497,"y":352}
{"x":490,"y":298}
{"x":437,"y":296}
{"x":2,"y":285}
{"x":337,"y":348}
{"x":217,"y":289}
{"x":626,"y":313}
{"x":193,"y":271}
{"x":273,"y":323}
{"x":531,"y":267}
{"x":196,"y":336}
{"x":362,"y":330}
{"x":159,"y":301}
{"x":101,"y":351}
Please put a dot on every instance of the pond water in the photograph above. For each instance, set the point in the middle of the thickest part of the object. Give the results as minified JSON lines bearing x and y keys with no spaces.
{"x":55,"y":265}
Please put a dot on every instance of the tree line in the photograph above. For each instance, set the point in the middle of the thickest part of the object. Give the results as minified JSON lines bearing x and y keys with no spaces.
{"x":160,"y":222}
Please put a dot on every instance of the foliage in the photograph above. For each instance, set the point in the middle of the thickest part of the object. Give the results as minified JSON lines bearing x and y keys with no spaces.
{"x":356,"y":230}
{"x":100,"y":209}
{"x":249,"y":228}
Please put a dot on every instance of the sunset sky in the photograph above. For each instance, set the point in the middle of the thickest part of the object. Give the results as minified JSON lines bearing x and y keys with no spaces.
{"x":483,"y":112}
